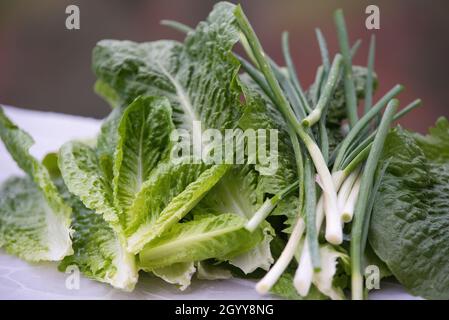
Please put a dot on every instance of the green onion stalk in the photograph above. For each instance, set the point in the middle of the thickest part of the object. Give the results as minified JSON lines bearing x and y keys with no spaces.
{"x":334,"y":232}
{"x":360,"y":211}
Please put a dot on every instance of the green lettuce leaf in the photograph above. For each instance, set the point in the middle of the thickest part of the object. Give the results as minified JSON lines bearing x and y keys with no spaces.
{"x":107,"y":140}
{"x":43,"y":193}
{"x":143,"y":141}
{"x":29,"y":228}
{"x":82,"y":173}
{"x":98,"y":251}
{"x":178,"y":273}
{"x":106,"y":92}
{"x":260,"y":113}
{"x":408,"y":230}
{"x":222,"y":236}
{"x":198,"y":77}
{"x":209,"y":271}
{"x":167,"y":196}
{"x":324,"y":280}
{"x":236,"y":192}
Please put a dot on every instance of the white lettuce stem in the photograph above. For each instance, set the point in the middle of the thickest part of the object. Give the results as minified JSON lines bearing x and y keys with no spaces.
{"x":348,"y":209}
{"x":345,"y":190}
{"x":272,"y":276}
{"x":304,"y":273}
{"x":260,"y":215}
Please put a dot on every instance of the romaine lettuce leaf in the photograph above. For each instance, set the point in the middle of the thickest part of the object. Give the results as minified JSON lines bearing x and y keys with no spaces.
{"x":324,"y":280}
{"x":236,"y":192}
{"x":178,"y":273}
{"x":84,"y":177}
{"x":410,"y":219}
{"x":167,"y":196}
{"x":50,"y":207}
{"x":198,"y":76}
{"x":29,"y":228}
{"x":260,"y":113}
{"x":222,"y":236}
{"x":98,"y":251}
{"x":143,"y":140}
{"x":209,"y":271}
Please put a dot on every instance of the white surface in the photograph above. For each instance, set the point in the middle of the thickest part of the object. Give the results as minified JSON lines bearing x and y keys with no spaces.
{"x":21,"y":280}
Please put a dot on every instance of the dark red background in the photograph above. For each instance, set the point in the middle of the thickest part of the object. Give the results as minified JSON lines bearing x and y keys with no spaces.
{"x":44,"y":66}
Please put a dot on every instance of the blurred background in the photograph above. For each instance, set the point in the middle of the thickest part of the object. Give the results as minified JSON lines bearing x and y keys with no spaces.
{"x":44,"y":66}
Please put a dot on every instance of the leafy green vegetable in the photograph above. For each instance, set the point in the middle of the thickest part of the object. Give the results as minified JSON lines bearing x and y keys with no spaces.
{"x":410,"y":216}
{"x":260,"y":113}
{"x":236,"y":192}
{"x":98,"y":252}
{"x":143,"y":141}
{"x":222,"y":236}
{"x":107,"y":93}
{"x":208,"y":271}
{"x":84,"y":177}
{"x":147,"y":195}
{"x":177,"y":273}
{"x":167,"y":196}
{"x":48,"y":227}
{"x":29,"y":228}
{"x":132,"y":193}
{"x":324,"y":280}
{"x":198,"y":77}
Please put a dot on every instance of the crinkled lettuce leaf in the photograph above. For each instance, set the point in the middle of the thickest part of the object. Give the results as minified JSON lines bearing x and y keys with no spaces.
{"x":82,"y":173}
{"x":209,"y":271}
{"x":236,"y":192}
{"x":216,"y":236}
{"x":29,"y":228}
{"x":98,"y":252}
{"x":410,"y":219}
{"x":166,"y":197}
{"x":260,"y":113}
{"x":198,"y":79}
{"x":326,"y":280}
{"x":177,"y":273}
{"x":143,"y":140}
{"x":197,"y":76}
{"x":43,"y":194}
